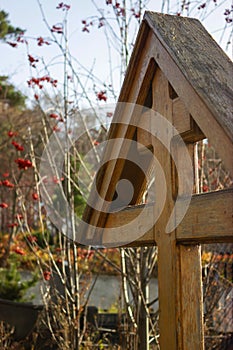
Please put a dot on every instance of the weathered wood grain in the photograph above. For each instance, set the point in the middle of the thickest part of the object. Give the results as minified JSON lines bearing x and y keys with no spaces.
{"x":202,"y":61}
{"x":122,"y":218}
{"x":144,"y":136}
{"x":167,"y":249}
{"x":181,"y":116}
{"x":189,"y":298}
{"x":184,"y":123}
{"x":196,"y":106}
{"x":208,"y":219}
{"x":220,"y":133}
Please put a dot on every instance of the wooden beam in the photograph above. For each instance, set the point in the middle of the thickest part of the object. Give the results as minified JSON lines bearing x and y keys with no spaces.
{"x":190,"y":300}
{"x":208,"y":219}
{"x":122,"y":218}
{"x":184,"y":123}
{"x":167,"y":249}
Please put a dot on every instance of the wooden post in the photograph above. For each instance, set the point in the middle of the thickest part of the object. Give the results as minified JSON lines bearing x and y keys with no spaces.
{"x":190,"y":319}
{"x":167,"y":250}
{"x":175,"y":278}
{"x":143,"y":317}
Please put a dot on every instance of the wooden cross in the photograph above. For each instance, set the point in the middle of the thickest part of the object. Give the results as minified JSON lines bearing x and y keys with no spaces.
{"x":177,"y":70}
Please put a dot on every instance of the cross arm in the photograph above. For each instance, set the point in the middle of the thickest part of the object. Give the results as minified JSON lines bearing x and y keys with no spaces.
{"x":208,"y":219}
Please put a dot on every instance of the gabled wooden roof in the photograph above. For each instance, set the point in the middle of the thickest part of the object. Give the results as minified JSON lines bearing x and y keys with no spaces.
{"x":199,"y":72}
{"x":204,"y":64}
{"x":197,"y":55}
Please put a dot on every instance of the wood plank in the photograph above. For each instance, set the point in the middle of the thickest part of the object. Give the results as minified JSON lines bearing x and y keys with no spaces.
{"x":167,"y":250}
{"x":167,"y":286}
{"x":122,"y":218}
{"x":143,"y":136}
{"x":209,"y":218}
{"x":181,"y":116}
{"x":182,"y":284}
{"x":190,"y":295}
{"x":184,"y":123}
{"x":211,"y":212}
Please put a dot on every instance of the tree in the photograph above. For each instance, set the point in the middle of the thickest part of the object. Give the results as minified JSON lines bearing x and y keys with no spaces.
{"x":9,"y":95}
{"x":6,"y":29}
